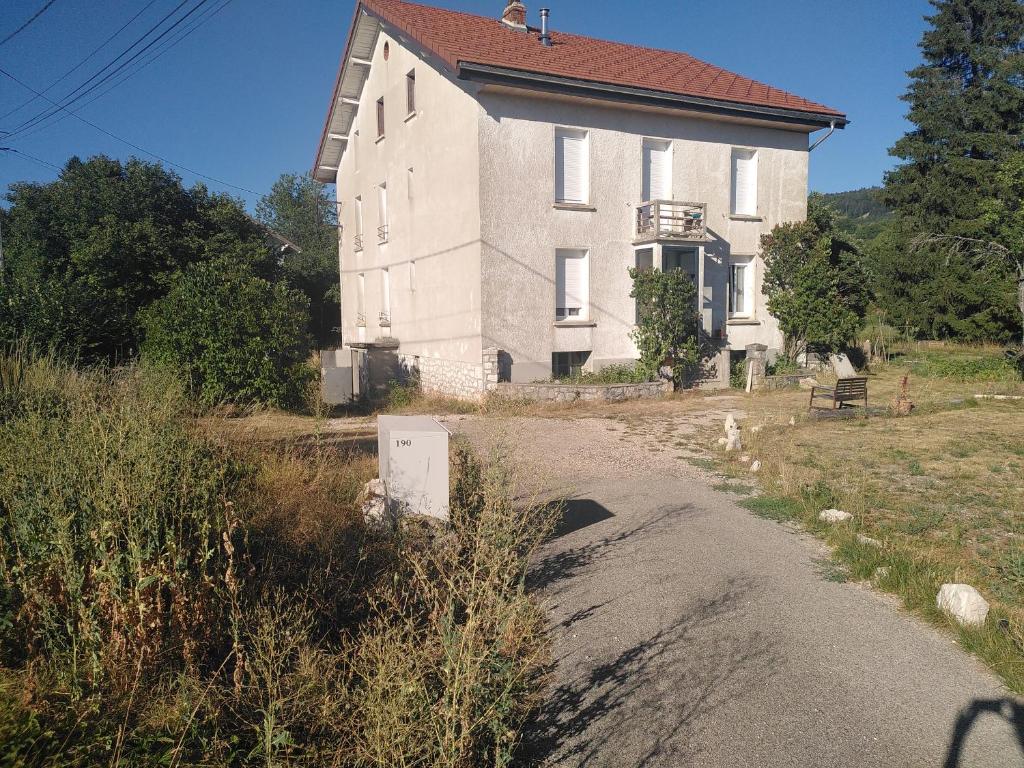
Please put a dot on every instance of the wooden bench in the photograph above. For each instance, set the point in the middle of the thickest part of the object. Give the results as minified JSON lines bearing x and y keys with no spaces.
{"x":846,"y":392}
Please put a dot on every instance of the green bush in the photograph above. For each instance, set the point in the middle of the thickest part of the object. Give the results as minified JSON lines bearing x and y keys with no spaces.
{"x":619,"y":373}
{"x":966,"y":369}
{"x":234,"y":336}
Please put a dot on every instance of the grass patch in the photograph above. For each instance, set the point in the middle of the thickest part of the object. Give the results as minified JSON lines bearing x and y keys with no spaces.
{"x":737,"y":488}
{"x":939,"y":489}
{"x":174,"y":595}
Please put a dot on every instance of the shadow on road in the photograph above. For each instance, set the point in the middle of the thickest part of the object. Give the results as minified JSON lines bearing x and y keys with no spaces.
{"x":1009,"y":710}
{"x":578,"y":514}
{"x":646,"y":706}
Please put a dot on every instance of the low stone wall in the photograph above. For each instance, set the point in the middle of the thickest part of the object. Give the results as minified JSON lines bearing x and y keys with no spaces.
{"x":446,"y":377}
{"x":568,"y":393}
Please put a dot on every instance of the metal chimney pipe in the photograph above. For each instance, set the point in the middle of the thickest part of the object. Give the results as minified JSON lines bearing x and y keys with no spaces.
{"x":545,"y":35}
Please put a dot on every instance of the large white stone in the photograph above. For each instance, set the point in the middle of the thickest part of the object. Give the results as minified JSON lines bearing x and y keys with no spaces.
{"x":733,"y":441}
{"x":835,"y":516}
{"x":842,"y":366}
{"x":755,"y":467}
{"x":730,"y":423}
{"x":964,"y":603}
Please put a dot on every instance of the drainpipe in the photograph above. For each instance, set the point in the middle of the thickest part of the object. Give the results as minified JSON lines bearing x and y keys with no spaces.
{"x":823,"y":139}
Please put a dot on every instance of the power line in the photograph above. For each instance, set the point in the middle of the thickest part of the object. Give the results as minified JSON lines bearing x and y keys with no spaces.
{"x":78,"y":93}
{"x":165,"y":48}
{"x":80,"y":64}
{"x":125,"y":141}
{"x":28,"y":23}
{"x":30,"y":157}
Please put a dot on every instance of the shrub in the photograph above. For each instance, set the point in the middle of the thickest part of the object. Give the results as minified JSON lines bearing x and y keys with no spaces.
{"x":235,"y":337}
{"x":619,"y":373}
{"x":668,"y":331}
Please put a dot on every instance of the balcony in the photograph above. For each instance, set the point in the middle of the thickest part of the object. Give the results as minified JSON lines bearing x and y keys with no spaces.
{"x":357,"y":242}
{"x":671,"y":220}
{"x":385,"y":320}
{"x":382,"y":234}
{"x":360,"y":320}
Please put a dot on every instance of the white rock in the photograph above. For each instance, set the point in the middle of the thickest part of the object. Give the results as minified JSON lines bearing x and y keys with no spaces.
{"x":745,"y":459}
{"x":868,"y":540}
{"x":964,"y":603}
{"x":755,"y":467}
{"x":723,"y":441}
{"x":734,"y":443}
{"x":375,"y":502}
{"x":792,"y":421}
{"x":881,"y":573}
{"x":808,"y":382}
{"x":730,"y":423}
{"x":756,"y":429}
{"x":835,"y":516}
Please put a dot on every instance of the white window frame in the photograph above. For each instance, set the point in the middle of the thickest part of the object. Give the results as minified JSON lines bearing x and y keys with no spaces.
{"x":564,"y":314}
{"x":383,"y":234}
{"x":562,"y":196}
{"x":744,"y":205}
{"x":749,"y":266}
{"x":385,"y":291}
{"x":668,"y":148}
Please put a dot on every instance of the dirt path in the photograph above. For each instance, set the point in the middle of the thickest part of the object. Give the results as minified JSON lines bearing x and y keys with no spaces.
{"x":689,"y":632}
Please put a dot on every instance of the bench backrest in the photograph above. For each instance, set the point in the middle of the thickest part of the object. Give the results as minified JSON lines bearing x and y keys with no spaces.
{"x":855,"y":387}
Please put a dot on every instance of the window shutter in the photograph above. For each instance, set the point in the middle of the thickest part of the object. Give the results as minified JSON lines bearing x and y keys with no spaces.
{"x":571,"y":288}
{"x":744,"y":182}
{"x":572,"y":172}
{"x":657,"y":162}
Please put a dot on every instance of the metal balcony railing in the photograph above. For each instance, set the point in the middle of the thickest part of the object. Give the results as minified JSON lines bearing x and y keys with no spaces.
{"x":671,"y":220}
{"x":382,"y":234}
{"x":360,"y":320}
{"x":385,"y":320}
{"x":357,"y":242}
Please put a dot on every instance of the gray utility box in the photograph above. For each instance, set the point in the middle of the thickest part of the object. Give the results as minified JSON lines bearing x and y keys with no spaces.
{"x":413,"y":456}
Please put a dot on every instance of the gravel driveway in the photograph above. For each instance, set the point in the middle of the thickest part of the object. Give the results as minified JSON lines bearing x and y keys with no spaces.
{"x":688,"y":632}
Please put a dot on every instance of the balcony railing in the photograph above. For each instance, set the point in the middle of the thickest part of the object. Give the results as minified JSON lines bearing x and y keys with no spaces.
{"x":385,"y":320}
{"x":671,"y":220}
{"x":382,"y":234}
{"x":360,"y":320}
{"x":357,"y":242}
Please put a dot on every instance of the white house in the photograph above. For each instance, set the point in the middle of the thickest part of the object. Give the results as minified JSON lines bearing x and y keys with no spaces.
{"x":496,"y":181}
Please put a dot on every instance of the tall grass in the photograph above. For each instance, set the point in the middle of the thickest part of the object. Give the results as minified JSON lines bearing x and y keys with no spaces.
{"x":170,"y":597}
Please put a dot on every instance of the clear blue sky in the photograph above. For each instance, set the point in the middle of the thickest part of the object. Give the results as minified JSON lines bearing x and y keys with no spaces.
{"x":243,"y":98}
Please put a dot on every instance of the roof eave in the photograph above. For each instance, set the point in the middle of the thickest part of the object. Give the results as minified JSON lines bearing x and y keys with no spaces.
{"x":491,"y":75}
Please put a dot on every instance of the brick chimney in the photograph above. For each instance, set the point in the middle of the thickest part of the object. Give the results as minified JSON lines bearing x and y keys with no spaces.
{"x":514,"y":15}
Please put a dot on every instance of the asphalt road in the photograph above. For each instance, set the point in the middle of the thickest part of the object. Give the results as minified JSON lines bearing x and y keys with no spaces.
{"x":689,"y":632}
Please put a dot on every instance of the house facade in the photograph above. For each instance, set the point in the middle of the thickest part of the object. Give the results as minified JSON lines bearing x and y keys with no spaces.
{"x":496,"y":181}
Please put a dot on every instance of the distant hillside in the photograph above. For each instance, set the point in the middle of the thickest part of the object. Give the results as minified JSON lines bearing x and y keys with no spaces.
{"x":863,"y":215}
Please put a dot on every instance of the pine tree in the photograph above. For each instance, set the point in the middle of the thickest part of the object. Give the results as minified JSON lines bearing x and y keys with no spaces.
{"x":967,"y":104}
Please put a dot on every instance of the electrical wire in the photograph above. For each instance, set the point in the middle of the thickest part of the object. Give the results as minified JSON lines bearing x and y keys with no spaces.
{"x":80,"y":64}
{"x":28,"y":23}
{"x":165,"y":48}
{"x":78,"y":93}
{"x":30,"y":157}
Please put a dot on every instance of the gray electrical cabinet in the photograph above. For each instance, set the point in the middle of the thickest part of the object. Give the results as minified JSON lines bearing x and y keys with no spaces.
{"x":413,"y":457}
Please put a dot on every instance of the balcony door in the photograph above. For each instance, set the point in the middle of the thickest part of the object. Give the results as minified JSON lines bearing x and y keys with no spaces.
{"x":657,"y":172}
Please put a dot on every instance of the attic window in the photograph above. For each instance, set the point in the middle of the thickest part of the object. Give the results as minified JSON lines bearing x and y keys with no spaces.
{"x":387,"y":51}
{"x":410,"y":93}
{"x":380,"y":118}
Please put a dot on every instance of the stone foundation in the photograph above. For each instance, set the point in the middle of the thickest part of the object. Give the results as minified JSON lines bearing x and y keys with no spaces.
{"x":568,"y":393}
{"x":446,"y":377}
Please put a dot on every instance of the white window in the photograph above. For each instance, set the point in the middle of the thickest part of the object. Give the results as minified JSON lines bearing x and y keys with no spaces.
{"x":741,"y":287}
{"x":359,"y":224}
{"x":657,"y":173}
{"x":361,"y":299}
{"x":744,"y":182}
{"x":572,"y":167}
{"x":385,"y":295}
{"x":382,"y":211}
{"x":572,"y":277}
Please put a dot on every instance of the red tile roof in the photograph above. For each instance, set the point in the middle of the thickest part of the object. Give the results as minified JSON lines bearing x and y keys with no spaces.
{"x":456,"y":38}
